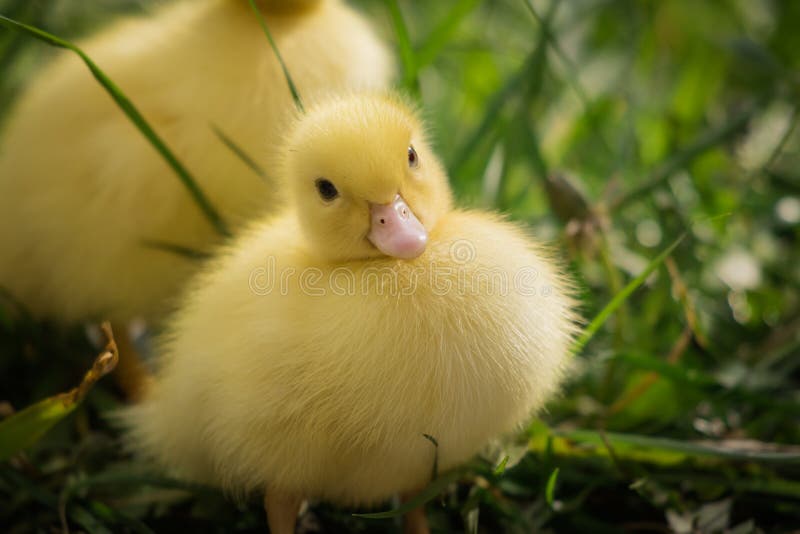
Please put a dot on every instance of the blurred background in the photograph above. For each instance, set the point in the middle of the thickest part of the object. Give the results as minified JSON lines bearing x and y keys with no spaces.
{"x":612,"y":128}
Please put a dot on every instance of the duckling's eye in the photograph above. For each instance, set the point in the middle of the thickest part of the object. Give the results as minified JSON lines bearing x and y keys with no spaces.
{"x":413,"y":159}
{"x":326,"y":189}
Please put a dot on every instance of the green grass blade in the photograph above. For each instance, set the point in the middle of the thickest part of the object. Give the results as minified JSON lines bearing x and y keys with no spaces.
{"x":582,"y":443}
{"x":621,"y":297}
{"x":493,"y":110}
{"x":25,"y":428}
{"x":133,"y":114}
{"x":631,"y":443}
{"x":435,"y":468}
{"x":440,"y":36}
{"x":501,"y":467}
{"x":407,"y":56}
{"x":289,"y":81}
{"x":529,"y":73}
{"x":550,"y":488}
{"x":571,"y":75}
{"x":429,"y":493}
{"x":704,"y":142}
{"x":178,"y":250}
{"x":238,"y":152}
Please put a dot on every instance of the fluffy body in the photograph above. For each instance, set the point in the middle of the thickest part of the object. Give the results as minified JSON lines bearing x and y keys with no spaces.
{"x":81,"y":189}
{"x":291,"y":368}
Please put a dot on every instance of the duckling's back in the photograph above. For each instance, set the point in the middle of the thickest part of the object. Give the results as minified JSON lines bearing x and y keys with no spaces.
{"x":322,"y":380}
{"x":81,"y":190}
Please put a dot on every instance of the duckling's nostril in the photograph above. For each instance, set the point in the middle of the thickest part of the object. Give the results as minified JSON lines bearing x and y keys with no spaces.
{"x":396,"y":231}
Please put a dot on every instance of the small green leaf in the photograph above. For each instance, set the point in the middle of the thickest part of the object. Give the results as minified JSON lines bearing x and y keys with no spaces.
{"x":501,"y":467}
{"x":25,"y":428}
{"x":550,"y":487}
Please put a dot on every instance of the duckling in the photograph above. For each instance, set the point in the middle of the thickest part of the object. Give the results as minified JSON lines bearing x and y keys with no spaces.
{"x":82,"y":191}
{"x":313,"y":355}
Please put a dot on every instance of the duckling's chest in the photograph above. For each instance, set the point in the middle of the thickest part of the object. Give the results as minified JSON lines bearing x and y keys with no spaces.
{"x":382,"y":356}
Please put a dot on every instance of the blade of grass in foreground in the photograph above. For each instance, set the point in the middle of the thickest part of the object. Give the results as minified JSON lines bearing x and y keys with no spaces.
{"x":429,"y":493}
{"x":26,"y":427}
{"x":665,"y":451}
{"x":550,"y":488}
{"x":493,"y":110}
{"x":292,"y":88}
{"x":529,"y":74}
{"x":178,"y":250}
{"x":410,"y":78}
{"x":621,"y":297}
{"x":501,"y":467}
{"x":440,"y":35}
{"x":133,"y":114}
{"x":239,"y":152}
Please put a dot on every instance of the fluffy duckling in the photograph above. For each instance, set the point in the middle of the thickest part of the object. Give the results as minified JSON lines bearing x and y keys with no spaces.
{"x":81,"y":190}
{"x":310,"y":359}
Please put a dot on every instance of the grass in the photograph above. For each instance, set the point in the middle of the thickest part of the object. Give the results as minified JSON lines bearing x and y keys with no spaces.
{"x":656,"y":145}
{"x":298,"y":102}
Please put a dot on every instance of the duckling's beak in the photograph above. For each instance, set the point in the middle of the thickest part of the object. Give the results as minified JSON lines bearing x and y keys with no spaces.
{"x":396,"y":231}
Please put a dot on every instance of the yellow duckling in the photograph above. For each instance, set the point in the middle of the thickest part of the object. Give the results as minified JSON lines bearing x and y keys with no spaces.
{"x":81,"y":190}
{"x":311,"y":357}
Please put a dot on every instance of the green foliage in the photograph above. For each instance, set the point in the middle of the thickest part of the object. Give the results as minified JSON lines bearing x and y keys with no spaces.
{"x":623,"y":295}
{"x":655,"y":143}
{"x":22,"y":430}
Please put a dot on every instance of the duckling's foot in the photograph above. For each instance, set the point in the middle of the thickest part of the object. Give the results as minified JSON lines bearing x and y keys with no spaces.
{"x":131,"y":374}
{"x":282,"y":510}
{"x":415,"y":521}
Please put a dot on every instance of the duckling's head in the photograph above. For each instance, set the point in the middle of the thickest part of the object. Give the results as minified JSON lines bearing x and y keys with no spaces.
{"x":363,"y":178}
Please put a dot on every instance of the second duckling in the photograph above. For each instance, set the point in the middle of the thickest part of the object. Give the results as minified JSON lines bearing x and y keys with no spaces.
{"x":81,"y":190}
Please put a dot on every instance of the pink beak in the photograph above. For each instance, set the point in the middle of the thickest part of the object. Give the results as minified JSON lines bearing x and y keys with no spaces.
{"x":396,"y":231}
